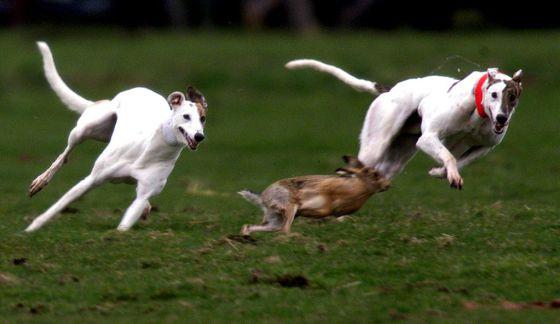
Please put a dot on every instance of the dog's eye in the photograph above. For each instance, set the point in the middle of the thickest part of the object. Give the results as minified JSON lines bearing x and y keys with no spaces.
{"x":494,"y":95}
{"x":202,"y":119}
{"x":187,"y":116}
{"x":512,"y":98}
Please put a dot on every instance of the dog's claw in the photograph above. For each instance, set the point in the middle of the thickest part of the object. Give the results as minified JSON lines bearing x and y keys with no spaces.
{"x":36,"y":186}
{"x":455,"y":180}
{"x":40,"y":182}
{"x":456,"y":185}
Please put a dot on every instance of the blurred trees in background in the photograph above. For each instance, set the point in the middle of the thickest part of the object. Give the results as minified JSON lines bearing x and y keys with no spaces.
{"x":303,"y":16}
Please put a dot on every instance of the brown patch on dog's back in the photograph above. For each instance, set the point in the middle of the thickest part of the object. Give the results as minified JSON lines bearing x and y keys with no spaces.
{"x":381,"y":88}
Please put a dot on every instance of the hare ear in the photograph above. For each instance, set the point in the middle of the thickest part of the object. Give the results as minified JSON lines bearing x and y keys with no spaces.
{"x":343,"y":172}
{"x":175,"y":99}
{"x":517,"y":76}
{"x":373,"y":172}
{"x":195,"y":96}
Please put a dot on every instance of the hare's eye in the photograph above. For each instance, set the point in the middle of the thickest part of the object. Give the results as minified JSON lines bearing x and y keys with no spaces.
{"x":187,"y":116}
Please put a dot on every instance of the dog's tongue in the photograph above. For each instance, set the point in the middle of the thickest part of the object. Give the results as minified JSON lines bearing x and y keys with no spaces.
{"x":498,"y":128}
{"x":192,"y":144}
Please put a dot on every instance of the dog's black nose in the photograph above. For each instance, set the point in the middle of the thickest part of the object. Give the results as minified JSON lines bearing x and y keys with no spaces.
{"x":199,"y":137}
{"x":502,"y":119}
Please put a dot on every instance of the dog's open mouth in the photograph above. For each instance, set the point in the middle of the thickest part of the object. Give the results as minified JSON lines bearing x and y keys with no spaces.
{"x":499,"y":128}
{"x":191,"y":142}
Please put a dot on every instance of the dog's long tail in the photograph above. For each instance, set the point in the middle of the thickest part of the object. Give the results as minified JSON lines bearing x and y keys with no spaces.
{"x":71,"y":99}
{"x":252,"y":197}
{"x":357,"y":84}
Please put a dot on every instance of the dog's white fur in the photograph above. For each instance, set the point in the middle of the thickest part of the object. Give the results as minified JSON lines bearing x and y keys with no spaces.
{"x":435,"y":114}
{"x":145,"y":135}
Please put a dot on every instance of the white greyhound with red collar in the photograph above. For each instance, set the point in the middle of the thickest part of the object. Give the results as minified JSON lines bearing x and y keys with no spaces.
{"x":453,"y":121}
{"x":145,"y":132}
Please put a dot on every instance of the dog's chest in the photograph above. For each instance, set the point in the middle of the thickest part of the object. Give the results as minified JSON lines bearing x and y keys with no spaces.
{"x":469,"y":136}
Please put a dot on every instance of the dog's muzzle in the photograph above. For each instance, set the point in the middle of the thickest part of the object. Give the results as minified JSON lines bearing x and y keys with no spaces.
{"x":191,"y":143}
{"x":499,"y":127}
{"x":500,"y":123}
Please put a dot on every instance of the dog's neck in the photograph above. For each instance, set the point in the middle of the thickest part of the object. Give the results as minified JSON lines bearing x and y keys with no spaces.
{"x":164,"y":144}
{"x":168,"y":132}
{"x":464,"y":94}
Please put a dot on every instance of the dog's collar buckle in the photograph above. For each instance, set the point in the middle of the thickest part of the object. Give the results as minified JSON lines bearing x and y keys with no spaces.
{"x":479,"y":96}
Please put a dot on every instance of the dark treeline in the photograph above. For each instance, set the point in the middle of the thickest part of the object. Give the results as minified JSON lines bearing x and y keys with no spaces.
{"x":300,"y":15}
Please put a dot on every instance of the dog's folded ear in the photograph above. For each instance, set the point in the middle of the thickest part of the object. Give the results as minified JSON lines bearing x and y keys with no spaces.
{"x":352,"y":161}
{"x":175,"y":99}
{"x":195,"y":96}
{"x":492,"y":73}
{"x":517,"y":76}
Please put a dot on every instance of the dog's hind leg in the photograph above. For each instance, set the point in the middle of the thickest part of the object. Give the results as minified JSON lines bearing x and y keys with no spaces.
{"x":96,"y":123}
{"x":76,"y":192}
{"x":146,"y":212}
{"x":397,"y":155}
{"x":384,"y":121}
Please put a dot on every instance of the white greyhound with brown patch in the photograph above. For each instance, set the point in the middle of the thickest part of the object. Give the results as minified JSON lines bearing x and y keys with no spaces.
{"x":145,"y":132}
{"x":453,"y":121}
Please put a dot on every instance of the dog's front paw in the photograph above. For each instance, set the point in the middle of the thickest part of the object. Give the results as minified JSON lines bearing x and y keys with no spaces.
{"x":37,"y":185}
{"x":439,"y":172}
{"x":454,"y":178}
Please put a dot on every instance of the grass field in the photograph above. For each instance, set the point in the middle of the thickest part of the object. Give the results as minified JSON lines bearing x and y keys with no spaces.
{"x":419,"y":252}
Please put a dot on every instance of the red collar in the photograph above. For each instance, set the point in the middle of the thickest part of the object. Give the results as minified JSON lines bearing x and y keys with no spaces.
{"x":479,"y":96}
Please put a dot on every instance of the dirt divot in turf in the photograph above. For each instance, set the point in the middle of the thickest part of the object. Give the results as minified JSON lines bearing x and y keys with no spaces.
{"x":285,"y":280}
{"x":19,"y":261}
{"x":164,"y":294}
{"x":70,"y":210}
{"x":513,"y":306}
{"x":35,"y":309}
{"x":38,"y":309}
{"x":8,"y":279}
{"x":290,"y":281}
{"x":67,"y":278}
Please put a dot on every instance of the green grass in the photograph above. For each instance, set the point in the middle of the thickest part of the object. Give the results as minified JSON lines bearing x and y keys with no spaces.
{"x":417,"y":252}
